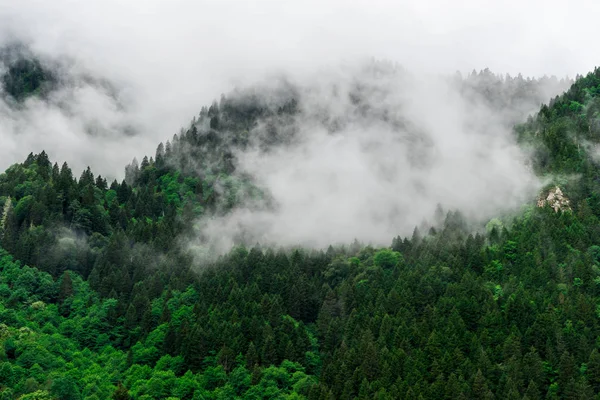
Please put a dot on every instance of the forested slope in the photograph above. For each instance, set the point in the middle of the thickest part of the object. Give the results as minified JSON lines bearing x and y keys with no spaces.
{"x":113,"y":304}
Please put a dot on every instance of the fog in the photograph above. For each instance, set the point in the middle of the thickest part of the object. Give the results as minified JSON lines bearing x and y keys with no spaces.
{"x":154,"y":64}
{"x":374,"y":150}
{"x":168,"y":58}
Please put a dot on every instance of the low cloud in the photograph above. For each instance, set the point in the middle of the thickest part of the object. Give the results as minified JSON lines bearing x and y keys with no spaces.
{"x":374,"y":149}
{"x":369,"y":169}
{"x":170,"y":58}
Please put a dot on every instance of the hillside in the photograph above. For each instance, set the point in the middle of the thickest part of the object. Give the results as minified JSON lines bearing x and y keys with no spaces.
{"x":103,"y":296}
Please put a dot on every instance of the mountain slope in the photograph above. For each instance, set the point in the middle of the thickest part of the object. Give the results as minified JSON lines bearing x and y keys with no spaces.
{"x":115,"y":305}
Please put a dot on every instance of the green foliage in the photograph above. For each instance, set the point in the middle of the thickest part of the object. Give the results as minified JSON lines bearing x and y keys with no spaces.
{"x":387,"y":258}
{"x":25,"y":77}
{"x":111,"y":308}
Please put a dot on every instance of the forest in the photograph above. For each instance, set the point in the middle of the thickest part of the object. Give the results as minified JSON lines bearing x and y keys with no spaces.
{"x":100,"y":298}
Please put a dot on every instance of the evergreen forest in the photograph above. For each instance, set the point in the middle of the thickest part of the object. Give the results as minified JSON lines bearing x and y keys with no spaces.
{"x":102,"y":298}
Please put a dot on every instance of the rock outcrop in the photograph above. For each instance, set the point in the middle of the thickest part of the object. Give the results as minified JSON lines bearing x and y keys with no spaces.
{"x":555,"y":199}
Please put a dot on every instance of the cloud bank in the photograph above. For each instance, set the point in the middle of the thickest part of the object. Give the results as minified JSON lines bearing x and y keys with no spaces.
{"x":367,"y":169}
{"x":169,"y":58}
{"x":374,"y":149}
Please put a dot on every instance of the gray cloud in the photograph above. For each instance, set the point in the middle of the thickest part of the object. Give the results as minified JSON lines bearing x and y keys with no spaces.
{"x":379,"y":173}
{"x":172,"y":57}
{"x":374,"y":150}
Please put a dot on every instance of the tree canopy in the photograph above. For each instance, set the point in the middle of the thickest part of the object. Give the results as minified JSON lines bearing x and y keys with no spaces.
{"x":99,"y":299}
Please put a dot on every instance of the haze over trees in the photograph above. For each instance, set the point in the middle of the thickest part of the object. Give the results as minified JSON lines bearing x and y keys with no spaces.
{"x":115,"y":289}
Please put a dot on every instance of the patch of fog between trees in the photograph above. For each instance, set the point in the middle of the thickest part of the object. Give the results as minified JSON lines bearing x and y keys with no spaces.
{"x":81,"y":118}
{"x":374,"y":150}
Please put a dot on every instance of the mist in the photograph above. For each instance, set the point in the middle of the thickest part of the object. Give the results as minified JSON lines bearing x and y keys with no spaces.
{"x":375,"y":149}
{"x":82,"y":120}
{"x":169,"y":58}
{"x":133,"y":72}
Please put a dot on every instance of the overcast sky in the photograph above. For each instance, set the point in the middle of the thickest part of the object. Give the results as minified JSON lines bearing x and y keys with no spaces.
{"x":176,"y":55}
{"x":228,"y":37}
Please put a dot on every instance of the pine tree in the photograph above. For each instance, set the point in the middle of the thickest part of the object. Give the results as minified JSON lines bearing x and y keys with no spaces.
{"x":480,"y":388}
{"x":121,"y":393}
{"x":593,"y":370}
{"x":66,"y":287}
{"x":532,"y":392}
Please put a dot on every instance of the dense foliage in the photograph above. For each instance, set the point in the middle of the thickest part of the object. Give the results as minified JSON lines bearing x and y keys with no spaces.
{"x":112,"y":304}
{"x":22,"y":74}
